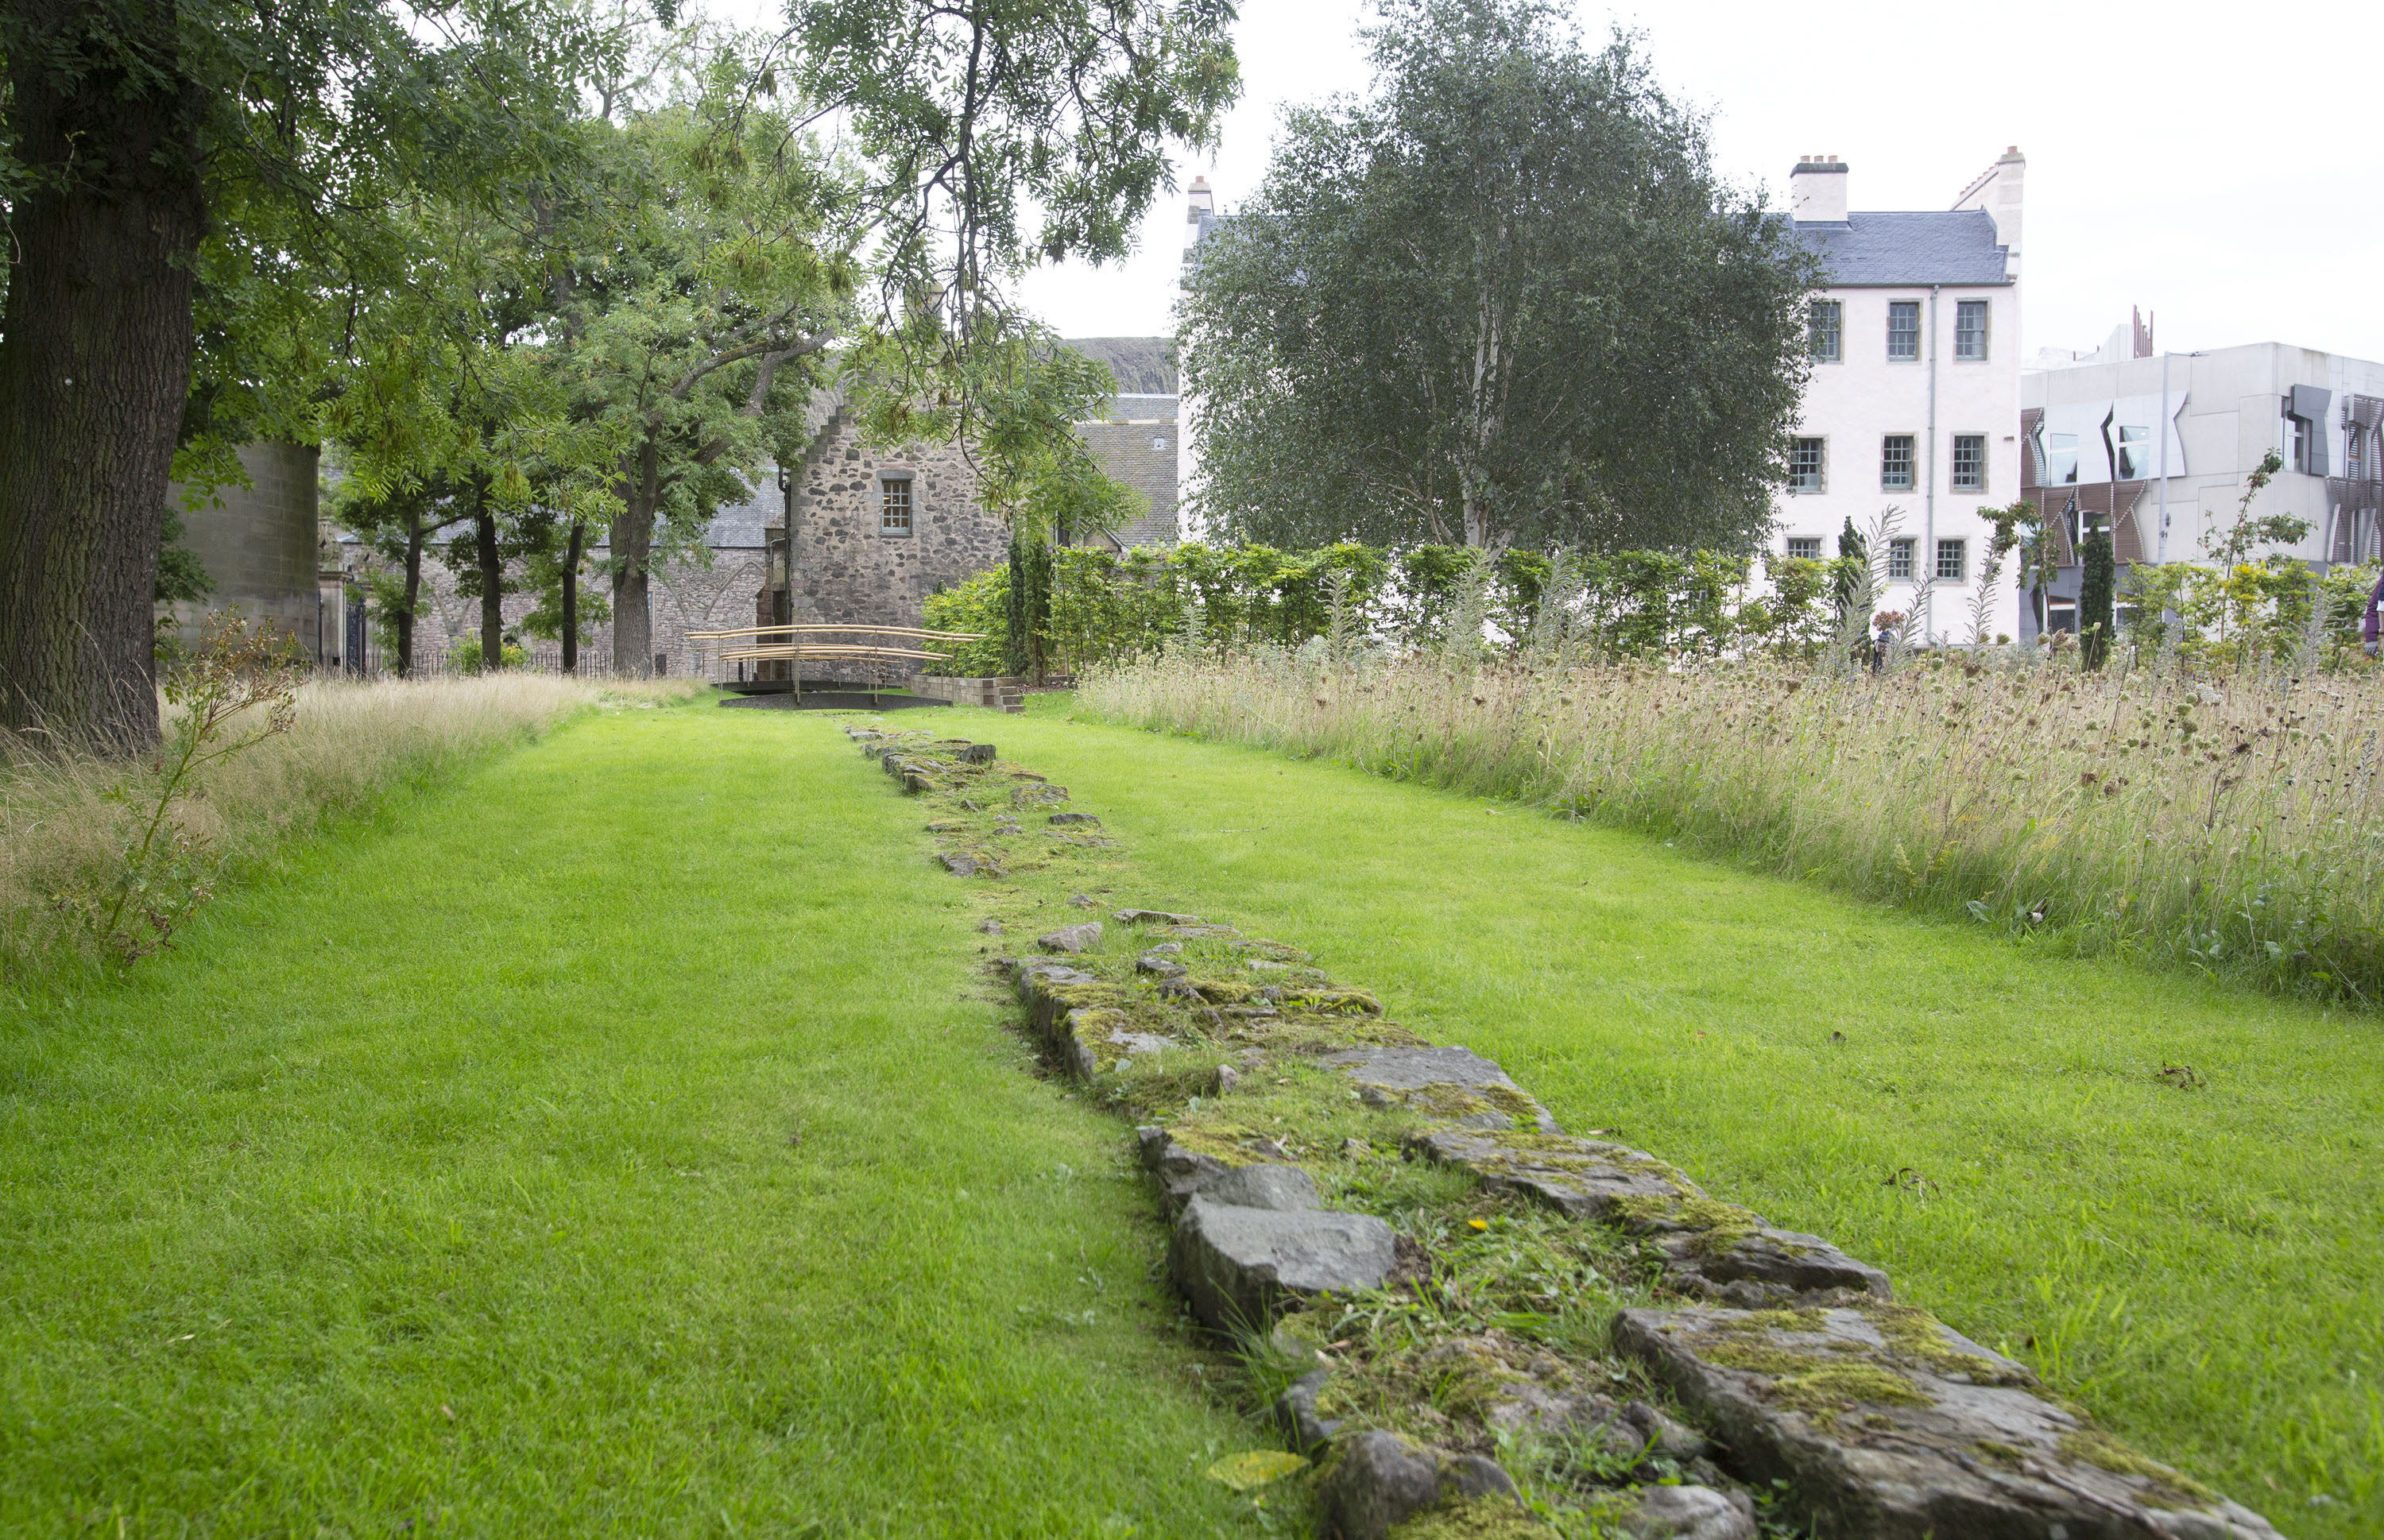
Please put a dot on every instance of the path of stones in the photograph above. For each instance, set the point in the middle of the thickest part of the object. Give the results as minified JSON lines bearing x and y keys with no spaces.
{"x":1266,"y":1094}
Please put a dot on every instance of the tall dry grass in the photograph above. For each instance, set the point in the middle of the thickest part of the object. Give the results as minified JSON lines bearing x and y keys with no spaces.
{"x":2235,"y":829}
{"x":62,"y":816}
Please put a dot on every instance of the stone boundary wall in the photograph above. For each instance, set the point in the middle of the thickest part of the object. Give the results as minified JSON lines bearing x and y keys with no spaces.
{"x":1003,"y":692}
{"x":1271,"y":1100}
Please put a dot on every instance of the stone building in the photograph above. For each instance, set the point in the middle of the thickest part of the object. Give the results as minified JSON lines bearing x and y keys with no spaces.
{"x":875,"y":532}
{"x":259,"y":546}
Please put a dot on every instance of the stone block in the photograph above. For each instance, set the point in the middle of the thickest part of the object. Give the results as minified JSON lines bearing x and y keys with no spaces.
{"x":1884,"y":1423}
{"x":1296,"y":1416}
{"x":1240,"y":1267}
{"x":1378,"y":1480}
{"x":1688,"y":1513}
{"x":1071,"y":939}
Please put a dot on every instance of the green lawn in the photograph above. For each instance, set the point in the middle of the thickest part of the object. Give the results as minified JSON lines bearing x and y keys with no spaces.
{"x":620,"y":1141}
{"x":2201,"y":1267}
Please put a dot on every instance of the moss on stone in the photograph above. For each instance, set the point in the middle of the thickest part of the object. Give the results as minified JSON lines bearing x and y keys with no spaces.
{"x":1998,"y":1453}
{"x":1842,"y":1387}
{"x":2095,"y":1447}
{"x":1473,"y":1518}
{"x":1446,"y":1100}
{"x":1464,"y":1380}
{"x":1803,"y":1320}
{"x":1760,"y":1358}
{"x":1913,"y":1333}
{"x":1349,"y":1002}
{"x":1512,"y":1102}
{"x":1717,"y":1225}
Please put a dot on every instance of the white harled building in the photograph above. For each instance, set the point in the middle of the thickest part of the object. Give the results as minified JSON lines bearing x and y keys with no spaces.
{"x":1914,"y":400}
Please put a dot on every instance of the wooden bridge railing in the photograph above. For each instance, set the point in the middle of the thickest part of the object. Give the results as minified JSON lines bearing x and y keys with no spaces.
{"x":794,"y":651}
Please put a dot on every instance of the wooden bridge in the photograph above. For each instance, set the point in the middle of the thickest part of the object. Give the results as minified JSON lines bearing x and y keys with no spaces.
{"x":881,"y":646}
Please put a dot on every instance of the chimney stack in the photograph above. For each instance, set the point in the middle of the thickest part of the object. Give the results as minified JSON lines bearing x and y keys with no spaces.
{"x":1816,"y":190}
{"x":1200,"y":205}
{"x":1999,"y":190}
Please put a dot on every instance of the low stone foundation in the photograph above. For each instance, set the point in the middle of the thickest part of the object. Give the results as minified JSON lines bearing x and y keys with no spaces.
{"x":1480,"y":1307}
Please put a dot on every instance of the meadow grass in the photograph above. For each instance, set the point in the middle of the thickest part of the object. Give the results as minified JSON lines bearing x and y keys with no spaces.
{"x":2234,"y":830}
{"x":63,"y":814}
{"x":620,"y":1139}
{"x":2162,"y":1191}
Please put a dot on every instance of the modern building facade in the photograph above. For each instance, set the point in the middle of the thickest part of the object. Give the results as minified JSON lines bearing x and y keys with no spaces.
{"x":2157,"y":447}
{"x":1914,"y":400}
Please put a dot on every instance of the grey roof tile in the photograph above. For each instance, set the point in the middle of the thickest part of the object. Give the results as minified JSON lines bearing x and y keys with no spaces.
{"x":1871,"y":251}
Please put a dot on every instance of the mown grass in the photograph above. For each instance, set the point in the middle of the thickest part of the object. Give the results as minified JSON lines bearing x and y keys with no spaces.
{"x":2193,"y":1257}
{"x":618,"y":1141}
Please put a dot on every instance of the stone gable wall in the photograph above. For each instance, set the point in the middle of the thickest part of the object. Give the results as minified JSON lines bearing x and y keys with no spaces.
{"x":847,"y":570}
{"x":1141,"y":455}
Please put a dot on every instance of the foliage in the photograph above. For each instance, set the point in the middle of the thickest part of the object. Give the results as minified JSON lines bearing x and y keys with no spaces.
{"x":234,"y":690}
{"x":2098,"y":571}
{"x":2238,"y":833}
{"x":1102,"y":605}
{"x":980,"y":605}
{"x":974,"y":120}
{"x":467,"y":656}
{"x":181,"y":578}
{"x":1503,"y":300}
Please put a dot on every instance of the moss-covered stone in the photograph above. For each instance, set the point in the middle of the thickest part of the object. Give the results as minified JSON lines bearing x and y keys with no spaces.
{"x":1823,"y":1393}
{"x":2095,"y":1447}
{"x":1474,"y":1519}
{"x":1913,"y":1333}
{"x":1717,"y":1225}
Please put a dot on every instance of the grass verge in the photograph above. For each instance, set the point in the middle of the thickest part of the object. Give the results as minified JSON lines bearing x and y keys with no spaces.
{"x":2160,"y":1191}
{"x":620,"y":1141}
{"x":64,"y":818}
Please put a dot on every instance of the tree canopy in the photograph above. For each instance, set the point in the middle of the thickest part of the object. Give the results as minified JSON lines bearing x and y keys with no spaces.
{"x":534,"y":267}
{"x":1502,"y":299}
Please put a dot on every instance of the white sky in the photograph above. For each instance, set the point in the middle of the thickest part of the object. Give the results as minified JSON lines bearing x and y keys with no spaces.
{"x":2221,"y":167}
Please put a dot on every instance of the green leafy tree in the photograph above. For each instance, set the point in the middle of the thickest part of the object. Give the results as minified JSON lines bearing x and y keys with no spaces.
{"x":155,"y":153}
{"x":999,"y":131}
{"x":2098,"y":582}
{"x":1503,"y":300}
{"x":704,"y":274}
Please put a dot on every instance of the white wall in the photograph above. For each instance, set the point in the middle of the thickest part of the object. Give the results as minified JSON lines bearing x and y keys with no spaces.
{"x":2231,"y":414}
{"x":1855,"y":403}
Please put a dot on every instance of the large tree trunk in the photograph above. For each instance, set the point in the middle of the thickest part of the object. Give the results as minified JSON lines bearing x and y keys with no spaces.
{"x":413,"y":597}
{"x":571,"y":598}
{"x":492,"y":586}
{"x":633,"y":543}
{"x":94,"y":364}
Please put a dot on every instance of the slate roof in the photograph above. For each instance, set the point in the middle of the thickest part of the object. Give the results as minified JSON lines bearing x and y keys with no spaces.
{"x":739,"y":524}
{"x":1902,"y":251}
{"x":1142,"y":365}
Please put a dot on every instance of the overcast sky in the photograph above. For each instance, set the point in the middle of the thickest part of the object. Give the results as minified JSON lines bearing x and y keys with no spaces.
{"x":2223,"y":168}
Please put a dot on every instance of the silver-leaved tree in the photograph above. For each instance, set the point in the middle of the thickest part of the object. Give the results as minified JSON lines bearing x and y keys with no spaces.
{"x":1502,"y":299}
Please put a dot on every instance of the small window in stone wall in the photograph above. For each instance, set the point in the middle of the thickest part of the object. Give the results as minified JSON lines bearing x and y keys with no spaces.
{"x":895,"y":504}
